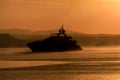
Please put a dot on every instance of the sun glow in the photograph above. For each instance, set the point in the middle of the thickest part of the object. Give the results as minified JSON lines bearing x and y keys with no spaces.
{"x":87,"y":16}
{"x":112,"y":0}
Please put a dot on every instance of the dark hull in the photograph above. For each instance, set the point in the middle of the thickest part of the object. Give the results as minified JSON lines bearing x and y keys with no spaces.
{"x":42,"y":47}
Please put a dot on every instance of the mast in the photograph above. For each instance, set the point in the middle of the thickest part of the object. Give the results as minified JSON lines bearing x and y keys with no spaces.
{"x":62,"y":31}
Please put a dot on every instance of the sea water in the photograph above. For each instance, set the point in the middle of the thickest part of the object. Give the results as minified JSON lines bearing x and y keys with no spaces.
{"x":93,"y":63}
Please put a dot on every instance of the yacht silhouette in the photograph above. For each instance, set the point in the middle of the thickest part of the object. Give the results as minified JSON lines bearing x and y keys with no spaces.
{"x":57,"y":42}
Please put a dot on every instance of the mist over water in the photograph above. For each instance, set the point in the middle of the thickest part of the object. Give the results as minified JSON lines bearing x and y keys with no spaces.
{"x":93,"y":63}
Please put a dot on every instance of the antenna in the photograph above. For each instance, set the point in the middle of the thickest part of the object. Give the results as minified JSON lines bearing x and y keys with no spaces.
{"x":62,"y":27}
{"x":62,"y":31}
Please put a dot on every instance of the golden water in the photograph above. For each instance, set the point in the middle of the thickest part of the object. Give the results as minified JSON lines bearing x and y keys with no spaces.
{"x":101,"y":63}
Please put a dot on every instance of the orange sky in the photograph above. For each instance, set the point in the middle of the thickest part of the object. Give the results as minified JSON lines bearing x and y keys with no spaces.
{"x":87,"y":16}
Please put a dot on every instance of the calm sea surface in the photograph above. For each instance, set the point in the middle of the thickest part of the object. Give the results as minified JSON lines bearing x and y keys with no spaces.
{"x":101,"y":63}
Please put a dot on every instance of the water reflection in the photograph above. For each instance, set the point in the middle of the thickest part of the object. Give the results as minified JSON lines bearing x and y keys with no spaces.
{"x":89,"y":64}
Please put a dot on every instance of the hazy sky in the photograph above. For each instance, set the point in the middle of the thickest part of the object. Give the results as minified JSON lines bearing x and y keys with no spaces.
{"x":87,"y":16}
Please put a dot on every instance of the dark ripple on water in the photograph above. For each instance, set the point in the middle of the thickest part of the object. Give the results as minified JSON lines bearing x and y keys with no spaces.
{"x":81,"y":68}
{"x":69,"y":71}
